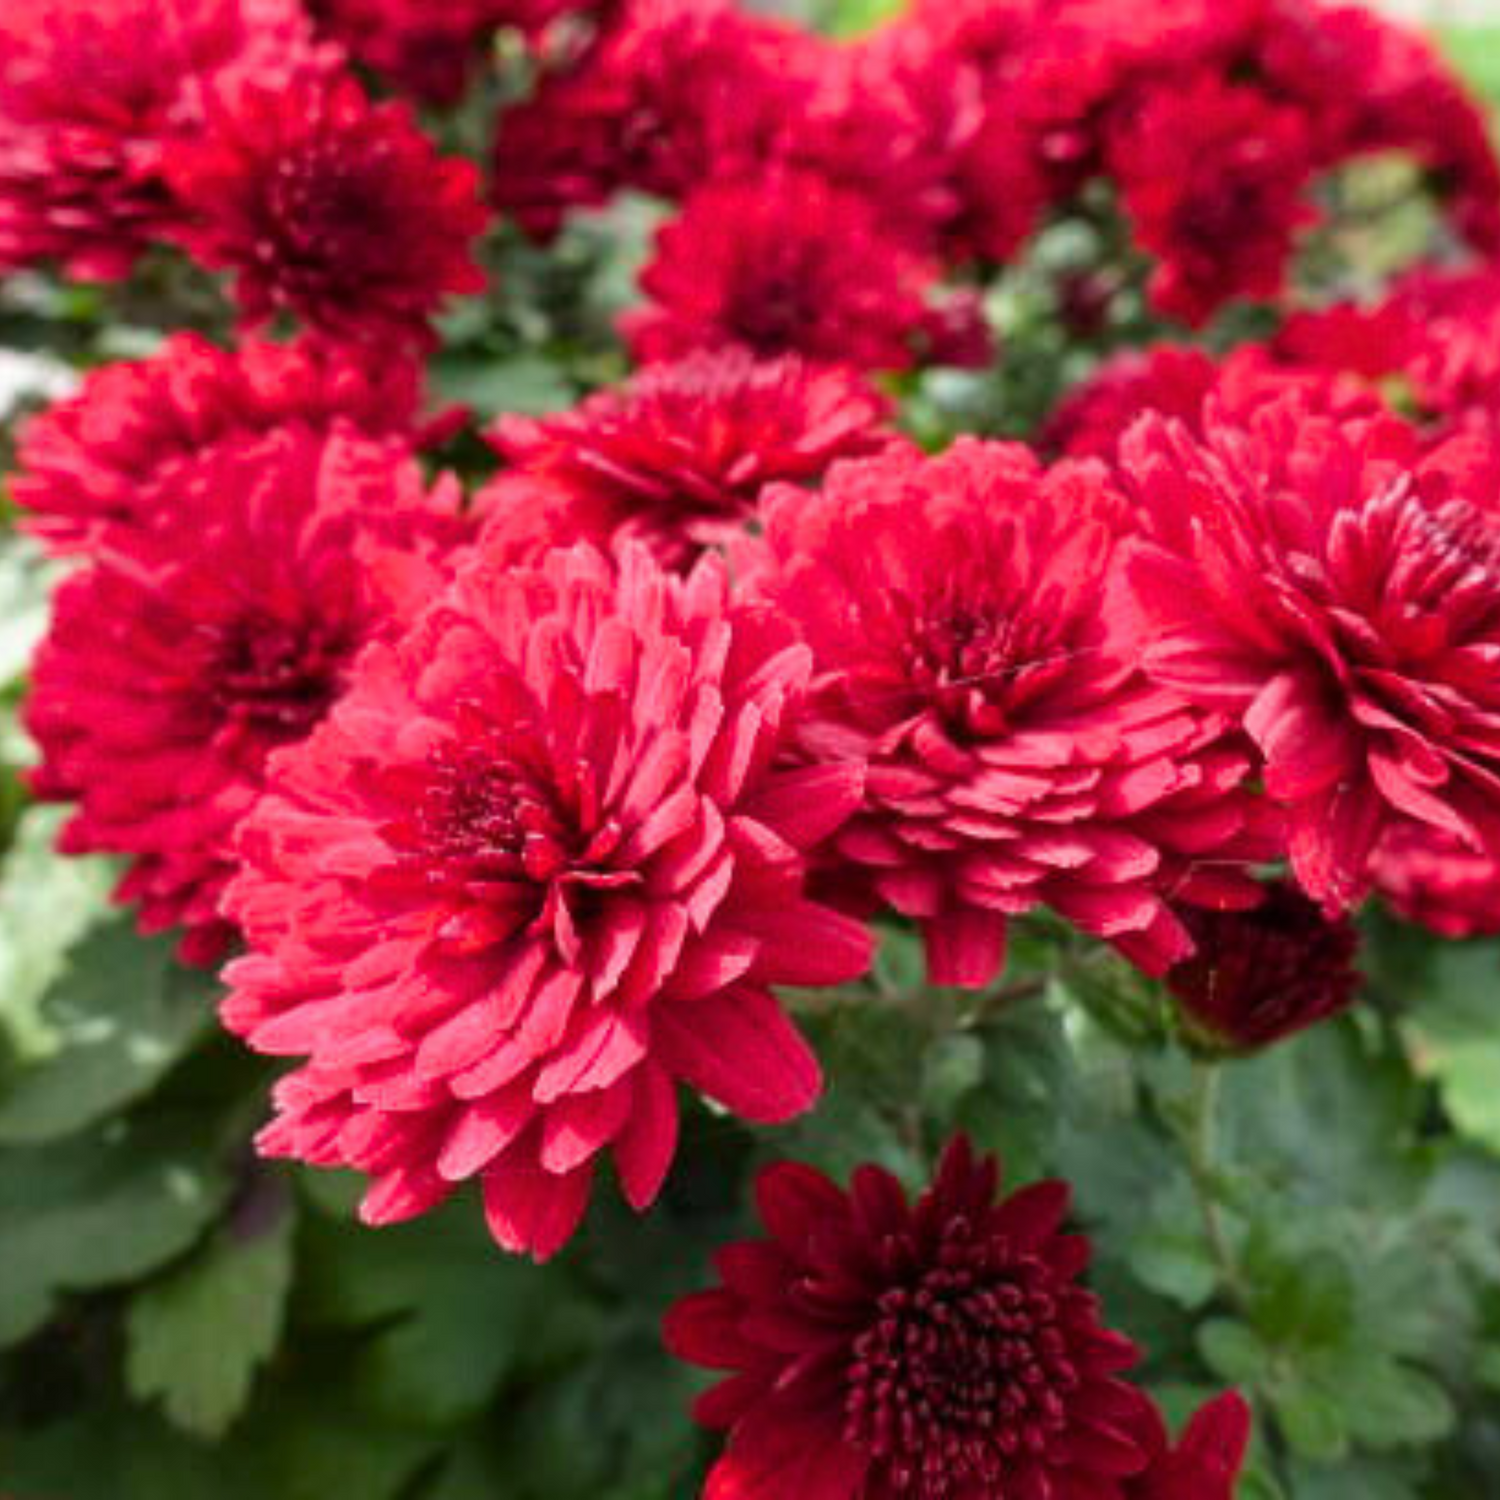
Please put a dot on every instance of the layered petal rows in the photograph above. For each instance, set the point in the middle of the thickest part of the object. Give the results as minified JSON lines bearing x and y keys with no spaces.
{"x":541,"y":866}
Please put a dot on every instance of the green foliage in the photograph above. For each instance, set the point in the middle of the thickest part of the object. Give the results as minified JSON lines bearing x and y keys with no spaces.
{"x":196,"y":1337}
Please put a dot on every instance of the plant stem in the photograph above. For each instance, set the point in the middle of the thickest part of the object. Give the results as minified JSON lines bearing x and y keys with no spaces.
{"x":1201,"y":1141}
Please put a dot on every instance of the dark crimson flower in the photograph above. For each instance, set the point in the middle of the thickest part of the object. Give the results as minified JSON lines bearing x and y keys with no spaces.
{"x":1262,"y":975}
{"x":887,"y":116}
{"x":1206,"y":1462}
{"x":1339,"y":592}
{"x":186,"y":654}
{"x":333,"y":209}
{"x":429,"y":50}
{"x":880,"y":1350}
{"x":541,"y":865}
{"x":1213,"y":177}
{"x":971,"y":653}
{"x":677,"y":456}
{"x":123,"y":450}
{"x":676,"y":91}
{"x":1429,"y":877}
{"x":90,"y":93}
{"x":785,"y":263}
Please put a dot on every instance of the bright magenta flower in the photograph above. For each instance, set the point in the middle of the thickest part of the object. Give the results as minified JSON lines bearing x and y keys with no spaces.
{"x":875,"y":1349}
{"x":332,"y":209}
{"x":677,"y":457}
{"x":970,"y":651}
{"x":540,"y":866}
{"x":1338,"y":591}
{"x":187,"y":653}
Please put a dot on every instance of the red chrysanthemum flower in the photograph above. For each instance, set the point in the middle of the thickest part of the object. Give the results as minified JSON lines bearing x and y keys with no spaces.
{"x":1205,"y":1463}
{"x":186,"y":654}
{"x":969,"y":650}
{"x":677,"y":457}
{"x":120,"y":451}
{"x":1339,"y":592}
{"x":880,"y":1350}
{"x":540,"y":866}
{"x":1262,"y":975}
{"x":90,"y":93}
{"x":1432,"y":879}
{"x":1437,"y":332}
{"x":429,"y":49}
{"x":332,"y":209}
{"x":1177,"y":381}
{"x":676,"y":91}
{"x":1091,"y":419}
{"x":784,"y":263}
{"x":1213,"y":177}
{"x":1365,"y":83}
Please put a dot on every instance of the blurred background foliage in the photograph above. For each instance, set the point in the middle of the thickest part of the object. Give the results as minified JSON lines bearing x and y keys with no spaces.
{"x":179,"y":1321}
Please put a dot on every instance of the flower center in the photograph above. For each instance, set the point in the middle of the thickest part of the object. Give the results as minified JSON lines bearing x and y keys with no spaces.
{"x":772,"y":311}
{"x":978,"y":666}
{"x":275,"y":677}
{"x":326,"y":209}
{"x":965,"y":1370}
{"x":485,"y":822}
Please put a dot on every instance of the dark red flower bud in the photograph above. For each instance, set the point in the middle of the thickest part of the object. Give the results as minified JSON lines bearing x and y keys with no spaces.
{"x":1263,"y":975}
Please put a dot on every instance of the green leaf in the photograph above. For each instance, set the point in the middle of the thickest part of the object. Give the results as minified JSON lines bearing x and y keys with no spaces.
{"x":197,"y":1337}
{"x":526,"y":385}
{"x":118,"y":1017}
{"x":1392,"y":1405}
{"x":100,"y":1209}
{"x":1233,"y":1351}
{"x":454,"y":1311}
{"x":25,"y":581}
{"x":1311,"y":1420}
{"x":951,"y":1070}
{"x":1171,"y":1254}
{"x":46,"y":903}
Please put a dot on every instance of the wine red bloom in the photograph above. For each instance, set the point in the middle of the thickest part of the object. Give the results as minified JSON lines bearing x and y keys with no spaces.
{"x":1206,"y":1461}
{"x":123,"y":449}
{"x":784,"y":263}
{"x":186,"y":654}
{"x":1212,"y":176}
{"x":333,"y":209}
{"x":90,"y":93}
{"x":881,"y":1350}
{"x":1262,"y":975}
{"x":540,"y":866}
{"x":677,"y":456}
{"x":676,"y":91}
{"x":1338,"y":591}
{"x":429,"y":50}
{"x":970,"y":651}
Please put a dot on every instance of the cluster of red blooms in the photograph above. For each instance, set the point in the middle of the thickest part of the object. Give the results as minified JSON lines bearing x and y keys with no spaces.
{"x":826,"y":190}
{"x":515,"y":808}
{"x":941,"y":140}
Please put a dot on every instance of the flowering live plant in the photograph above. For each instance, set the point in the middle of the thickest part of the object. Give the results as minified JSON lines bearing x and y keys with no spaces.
{"x":744,"y":761}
